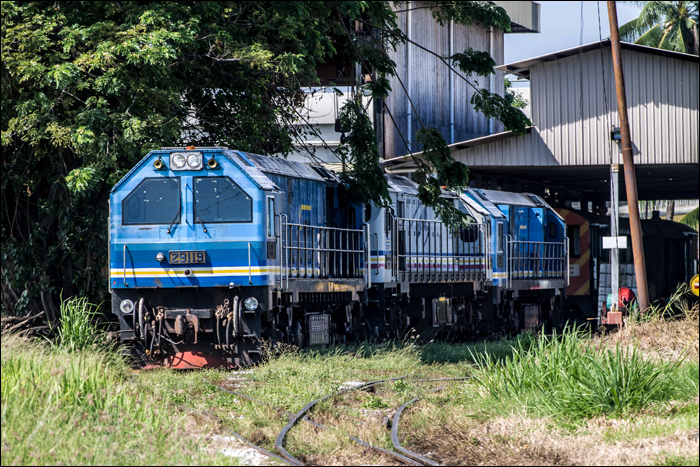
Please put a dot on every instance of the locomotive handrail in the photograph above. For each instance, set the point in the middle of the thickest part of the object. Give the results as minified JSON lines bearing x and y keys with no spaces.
{"x":443,"y":254}
{"x":568,"y":271}
{"x":125,"y":284}
{"x":394,"y":248}
{"x":319,"y":251}
{"x":250,"y":270}
{"x":376,"y":236}
{"x":284,"y":254}
{"x":537,"y":260}
{"x":368,"y":264}
{"x":509,"y":259}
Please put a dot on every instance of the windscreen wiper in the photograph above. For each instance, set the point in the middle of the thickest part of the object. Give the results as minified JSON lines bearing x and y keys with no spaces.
{"x":196,"y":216}
{"x":176,"y":217}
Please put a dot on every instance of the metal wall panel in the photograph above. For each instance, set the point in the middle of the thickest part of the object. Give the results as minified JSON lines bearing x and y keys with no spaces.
{"x":525,"y":15}
{"x":429,"y":81}
{"x":573,"y":127}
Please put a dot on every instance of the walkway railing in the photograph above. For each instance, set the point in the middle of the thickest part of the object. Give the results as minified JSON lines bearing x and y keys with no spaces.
{"x":310,"y":252}
{"x":429,"y":251}
{"x":537,"y":260}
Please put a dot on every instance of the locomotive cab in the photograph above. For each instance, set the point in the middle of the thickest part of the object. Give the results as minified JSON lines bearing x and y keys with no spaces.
{"x":192,"y":246}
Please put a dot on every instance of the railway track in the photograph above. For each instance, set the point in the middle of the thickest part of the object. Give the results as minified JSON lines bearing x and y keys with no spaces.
{"x":303,"y":417}
{"x":405,"y":456}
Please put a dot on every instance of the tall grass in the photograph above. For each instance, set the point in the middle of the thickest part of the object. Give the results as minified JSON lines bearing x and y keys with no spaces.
{"x":677,"y":304}
{"x":564,"y":375}
{"x":81,"y":408}
{"x":78,"y":329}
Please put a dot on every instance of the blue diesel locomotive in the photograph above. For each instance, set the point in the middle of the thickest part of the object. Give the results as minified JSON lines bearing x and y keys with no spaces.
{"x":213,"y":250}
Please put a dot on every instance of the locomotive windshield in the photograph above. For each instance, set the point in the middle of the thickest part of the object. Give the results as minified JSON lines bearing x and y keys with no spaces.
{"x":219,"y":199}
{"x":153,"y":201}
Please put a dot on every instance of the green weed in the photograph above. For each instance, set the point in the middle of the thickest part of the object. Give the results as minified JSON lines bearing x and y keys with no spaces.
{"x":670,"y":459}
{"x":677,"y":304}
{"x":400,"y":385}
{"x":374,"y":402}
{"x":563,"y":375}
{"x":78,"y":329}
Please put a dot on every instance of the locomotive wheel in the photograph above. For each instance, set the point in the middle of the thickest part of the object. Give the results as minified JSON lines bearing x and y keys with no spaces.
{"x":298,"y":335}
{"x":136,"y":355}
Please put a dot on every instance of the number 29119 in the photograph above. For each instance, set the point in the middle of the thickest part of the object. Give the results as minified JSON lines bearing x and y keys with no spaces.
{"x":186,"y":257}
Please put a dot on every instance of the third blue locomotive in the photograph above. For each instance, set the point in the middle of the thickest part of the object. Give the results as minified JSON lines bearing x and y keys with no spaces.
{"x":213,"y":251}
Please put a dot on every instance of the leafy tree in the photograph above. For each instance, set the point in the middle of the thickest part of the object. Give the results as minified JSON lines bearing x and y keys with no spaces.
{"x":88,"y":88}
{"x":665,"y":25}
{"x":519,"y":101}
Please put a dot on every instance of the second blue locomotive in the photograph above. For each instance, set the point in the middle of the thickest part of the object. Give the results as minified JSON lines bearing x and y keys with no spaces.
{"x":213,"y":251}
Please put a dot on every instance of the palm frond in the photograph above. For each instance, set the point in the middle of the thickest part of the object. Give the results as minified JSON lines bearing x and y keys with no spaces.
{"x":683,"y":42}
{"x":670,"y":39}
{"x":652,"y":38}
{"x":655,"y":12}
{"x":631,"y":31}
{"x":637,"y":4}
{"x":691,"y":219}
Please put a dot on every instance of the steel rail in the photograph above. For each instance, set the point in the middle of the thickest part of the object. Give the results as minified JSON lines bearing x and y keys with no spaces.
{"x":395,"y":423}
{"x":279,"y":441}
{"x":307,"y":420}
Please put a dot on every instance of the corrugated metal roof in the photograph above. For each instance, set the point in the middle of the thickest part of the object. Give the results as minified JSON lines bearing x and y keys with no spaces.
{"x":524,"y":16}
{"x":573,"y":117}
{"x":252,"y":172}
{"x":522,"y":68}
{"x":506,"y":197}
{"x":474,"y":205}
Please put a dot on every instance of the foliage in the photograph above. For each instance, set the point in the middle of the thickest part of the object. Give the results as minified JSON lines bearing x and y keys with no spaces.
{"x":519,"y":102}
{"x":88,"y":88}
{"x":474,"y":62}
{"x":365,"y":177}
{"x":691,"y":219}
{"x":468,"y":12}
{"x":501,"y":108}
{"x":665,"y":25}
{"x":565,"y":376}
{"x":374,"y":402}
{"x":453,"y":175}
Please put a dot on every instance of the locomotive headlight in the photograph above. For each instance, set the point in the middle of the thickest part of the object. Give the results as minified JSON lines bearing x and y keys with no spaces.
{"x":178,"y":160}
{"x":251,"y":303}
{"x":194,"y":160}
{"x":127,"y":306}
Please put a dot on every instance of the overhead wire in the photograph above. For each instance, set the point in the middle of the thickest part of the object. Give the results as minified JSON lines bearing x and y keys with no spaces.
{"x":580,"y":63}
{"x":606,"y":115}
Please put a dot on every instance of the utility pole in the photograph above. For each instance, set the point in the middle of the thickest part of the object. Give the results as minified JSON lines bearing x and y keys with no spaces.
{"x":628,"y":161}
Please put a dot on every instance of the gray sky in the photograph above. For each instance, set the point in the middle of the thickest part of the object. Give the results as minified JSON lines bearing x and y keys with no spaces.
{"x":560,"y":25}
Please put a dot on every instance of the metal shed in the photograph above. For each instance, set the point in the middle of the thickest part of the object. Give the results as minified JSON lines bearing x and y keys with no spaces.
{"x":570,"y":145}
